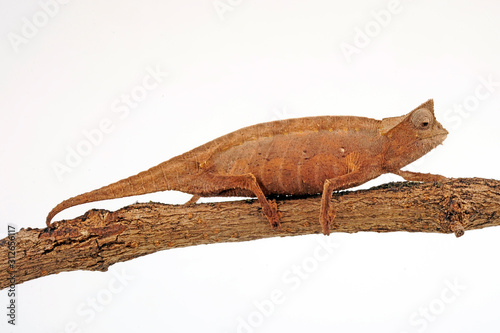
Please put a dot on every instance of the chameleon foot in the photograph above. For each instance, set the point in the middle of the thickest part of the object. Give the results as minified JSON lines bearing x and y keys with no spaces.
{"x":327,"y":220}
{"x":272,"y":213}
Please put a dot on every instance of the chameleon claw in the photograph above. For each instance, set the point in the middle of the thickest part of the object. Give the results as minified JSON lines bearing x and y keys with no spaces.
{"x":327,"y":221}
{"x":272,"y":214}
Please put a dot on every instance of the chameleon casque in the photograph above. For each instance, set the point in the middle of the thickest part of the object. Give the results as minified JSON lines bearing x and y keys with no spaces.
{"x":301,"y":156}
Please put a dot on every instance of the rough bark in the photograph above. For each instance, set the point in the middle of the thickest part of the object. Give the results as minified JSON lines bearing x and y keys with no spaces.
{"x":101,"y":238}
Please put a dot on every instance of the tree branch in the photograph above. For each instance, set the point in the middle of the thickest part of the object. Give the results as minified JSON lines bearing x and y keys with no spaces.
{"x":101,"y":238}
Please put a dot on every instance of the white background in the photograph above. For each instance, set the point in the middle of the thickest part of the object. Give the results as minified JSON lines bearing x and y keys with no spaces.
{"x":231,"y":64}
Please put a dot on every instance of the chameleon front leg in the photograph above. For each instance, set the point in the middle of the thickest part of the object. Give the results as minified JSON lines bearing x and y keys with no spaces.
{"x":419,"y":177}
{"x":327,"y":212}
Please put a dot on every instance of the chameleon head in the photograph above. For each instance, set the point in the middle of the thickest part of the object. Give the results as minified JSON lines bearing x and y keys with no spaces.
{"x":411,"y":136}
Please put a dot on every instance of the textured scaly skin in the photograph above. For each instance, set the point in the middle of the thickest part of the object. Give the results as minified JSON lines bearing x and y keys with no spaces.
{"x":289,"y":157}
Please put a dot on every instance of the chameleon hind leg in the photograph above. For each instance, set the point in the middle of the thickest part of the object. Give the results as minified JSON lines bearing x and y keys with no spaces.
{"x":193,"y":200}
{"x":219,"y":183}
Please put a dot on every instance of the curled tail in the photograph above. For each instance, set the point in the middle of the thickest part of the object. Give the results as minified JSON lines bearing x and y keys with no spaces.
{"x":153,"y":180}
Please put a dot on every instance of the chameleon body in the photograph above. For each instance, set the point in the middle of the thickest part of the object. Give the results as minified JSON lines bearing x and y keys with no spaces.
{"x":301,"y":156}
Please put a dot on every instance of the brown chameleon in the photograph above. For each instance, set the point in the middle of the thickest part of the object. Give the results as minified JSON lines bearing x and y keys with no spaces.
{"x":302,"y":156}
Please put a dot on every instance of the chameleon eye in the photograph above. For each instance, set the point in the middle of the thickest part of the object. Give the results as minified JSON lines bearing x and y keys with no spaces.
{"x":422,"y":119}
